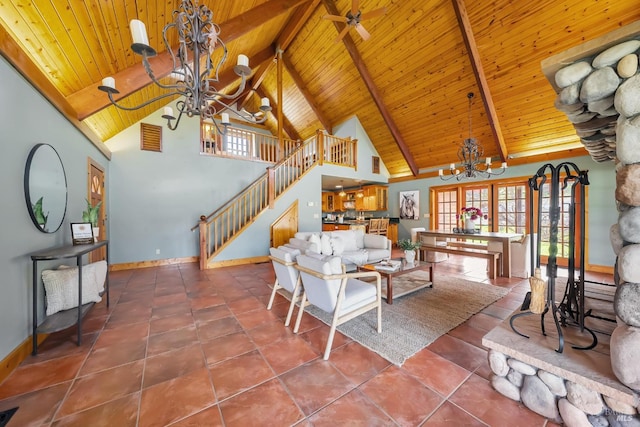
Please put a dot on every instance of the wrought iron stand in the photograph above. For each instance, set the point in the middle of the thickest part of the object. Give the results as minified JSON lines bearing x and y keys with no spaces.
{"x":571,"y":309}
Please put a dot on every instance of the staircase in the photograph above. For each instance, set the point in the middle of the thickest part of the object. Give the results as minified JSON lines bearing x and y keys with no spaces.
{"x":222,"y":226}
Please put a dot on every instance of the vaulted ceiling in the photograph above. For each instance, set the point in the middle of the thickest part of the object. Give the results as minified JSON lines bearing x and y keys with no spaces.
{"x":407,"y":84}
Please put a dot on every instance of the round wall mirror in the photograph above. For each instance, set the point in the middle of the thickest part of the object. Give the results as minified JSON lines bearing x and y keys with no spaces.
{"x":45,"y":188}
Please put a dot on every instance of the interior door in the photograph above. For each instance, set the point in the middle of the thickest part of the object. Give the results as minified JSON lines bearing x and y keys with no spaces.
{"x":95,"y":195}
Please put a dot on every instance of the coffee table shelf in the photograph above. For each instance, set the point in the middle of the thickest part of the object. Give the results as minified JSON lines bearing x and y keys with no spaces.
{"x":404,"y":268}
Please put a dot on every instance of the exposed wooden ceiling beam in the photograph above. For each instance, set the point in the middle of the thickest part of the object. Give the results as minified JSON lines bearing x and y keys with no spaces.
{"x":90,"y":100}
{"x":251,"y":19}
{"x":373,"y":89}
{"x":13,"y":53}
{"x":296,"y":22}
{"x":293,"y":26}
{"x":305,"y":92}
{"x":481,"y":79}
{"x":286,"y":124}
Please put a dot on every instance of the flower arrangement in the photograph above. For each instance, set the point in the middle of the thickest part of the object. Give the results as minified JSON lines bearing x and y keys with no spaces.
{"x":472,"y":214}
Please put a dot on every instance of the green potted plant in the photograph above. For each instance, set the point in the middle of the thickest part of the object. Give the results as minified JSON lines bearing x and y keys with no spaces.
{"x":91,"y":215}
{"x":41,"y":218}
{"x":409,"y":249}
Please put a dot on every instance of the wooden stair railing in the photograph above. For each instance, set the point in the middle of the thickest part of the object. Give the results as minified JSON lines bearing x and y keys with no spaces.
{"x":222,"y":226}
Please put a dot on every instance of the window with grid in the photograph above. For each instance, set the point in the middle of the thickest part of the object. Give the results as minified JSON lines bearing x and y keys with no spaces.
{"x":512,"y":207}
{"x":447,"y":209}
{"x":237,"y":142}
{"x":478,"y":197}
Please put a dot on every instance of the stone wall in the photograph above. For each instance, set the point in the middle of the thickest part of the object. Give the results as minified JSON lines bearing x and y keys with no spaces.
{"x":601,"y":97}
{"x":558,"y":399}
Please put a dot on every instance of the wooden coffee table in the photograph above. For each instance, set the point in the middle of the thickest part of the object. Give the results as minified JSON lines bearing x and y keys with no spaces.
{"x":404,"y":269}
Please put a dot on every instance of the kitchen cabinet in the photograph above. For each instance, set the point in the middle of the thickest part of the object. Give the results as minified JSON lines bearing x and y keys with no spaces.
{"x":328,"y":201}
{"x":374,"y":199}
{"x":334,"y":227}
{"x":392,"y":233}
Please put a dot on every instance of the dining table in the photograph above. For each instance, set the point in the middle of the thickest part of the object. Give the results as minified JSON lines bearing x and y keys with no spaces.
{"x":489,"y":236}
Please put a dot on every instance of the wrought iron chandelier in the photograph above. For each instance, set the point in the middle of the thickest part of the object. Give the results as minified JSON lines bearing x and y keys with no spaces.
{"x":470,"y":155}
{"x":198,"y":36}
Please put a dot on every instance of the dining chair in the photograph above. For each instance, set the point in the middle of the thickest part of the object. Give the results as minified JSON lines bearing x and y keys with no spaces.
{"x":374,"y":226}
{"x":287,"y":276}
{"x":383,"y":227}
{"x":342,"y":295}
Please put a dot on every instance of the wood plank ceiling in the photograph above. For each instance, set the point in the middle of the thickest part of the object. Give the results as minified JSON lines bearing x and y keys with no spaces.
{"x":407,"y":84}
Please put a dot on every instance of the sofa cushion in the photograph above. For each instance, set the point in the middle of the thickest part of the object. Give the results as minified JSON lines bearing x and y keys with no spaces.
{"x":359,"y":232}
{"x":375,"y":241}
{"x":348,"y":237}
{"x":337,"y":245}
{"x":357,"y":294}
{"x":325,"y":244}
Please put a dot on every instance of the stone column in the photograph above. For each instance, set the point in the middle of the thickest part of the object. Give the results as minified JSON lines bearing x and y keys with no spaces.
{"x":601,"y":97}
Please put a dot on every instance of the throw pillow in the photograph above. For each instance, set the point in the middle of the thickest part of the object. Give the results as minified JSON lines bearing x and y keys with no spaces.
{"x":337,"y":245}
{"x":314,"y":239}
{"x":359,"y":233}
{"x":325,"y":245}
{"x":61,"y":288}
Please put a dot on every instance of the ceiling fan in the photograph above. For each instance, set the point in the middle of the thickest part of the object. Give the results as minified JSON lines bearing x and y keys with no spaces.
{"x":353,"y":18}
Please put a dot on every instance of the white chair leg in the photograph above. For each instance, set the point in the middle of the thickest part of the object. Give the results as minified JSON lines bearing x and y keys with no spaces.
{"x":327,"y":350}
{"x":294,"y":298}
{"x":303,"y":302}
{"x":379,"y":317}
{"x":273,"y":294}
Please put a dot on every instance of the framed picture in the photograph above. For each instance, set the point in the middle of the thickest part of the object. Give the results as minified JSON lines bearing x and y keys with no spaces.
{"x":375,"y":164}
{"x":410,"y":204}
{"x":81,"y":233}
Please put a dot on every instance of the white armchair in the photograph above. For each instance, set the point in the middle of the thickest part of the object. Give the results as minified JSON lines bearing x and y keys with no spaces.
{"x":341,"y":294}
{"x":287,"y":276}
{"x":520,"y":256}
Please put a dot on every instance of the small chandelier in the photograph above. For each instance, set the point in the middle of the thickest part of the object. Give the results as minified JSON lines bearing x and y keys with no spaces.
{"x":198,"y":36}
{"x":470,"y":154}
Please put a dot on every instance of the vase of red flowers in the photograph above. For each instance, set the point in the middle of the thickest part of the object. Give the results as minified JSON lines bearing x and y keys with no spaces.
{"x":470,"y":216}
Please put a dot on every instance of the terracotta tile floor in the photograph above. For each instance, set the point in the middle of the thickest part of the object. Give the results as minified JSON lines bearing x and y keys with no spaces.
{"x":182,"y":347}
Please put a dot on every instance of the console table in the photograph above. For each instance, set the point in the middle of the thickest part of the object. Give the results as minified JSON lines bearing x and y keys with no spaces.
{"x":66,"y":318}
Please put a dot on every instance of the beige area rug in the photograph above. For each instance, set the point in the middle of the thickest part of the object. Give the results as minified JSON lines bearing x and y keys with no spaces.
{"x":415,"y":320}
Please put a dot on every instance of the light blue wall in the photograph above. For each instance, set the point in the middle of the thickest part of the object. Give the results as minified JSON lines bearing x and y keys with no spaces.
{"x":26,"y":119}
{"x":155,"y":198}
{"x":601,"y":208}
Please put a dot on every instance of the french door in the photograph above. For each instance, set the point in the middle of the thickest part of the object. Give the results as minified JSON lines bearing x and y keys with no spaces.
{"x":507,"y":205}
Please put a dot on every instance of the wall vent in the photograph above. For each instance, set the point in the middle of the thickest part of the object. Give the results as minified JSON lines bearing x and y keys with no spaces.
{"x":150,"y":137}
